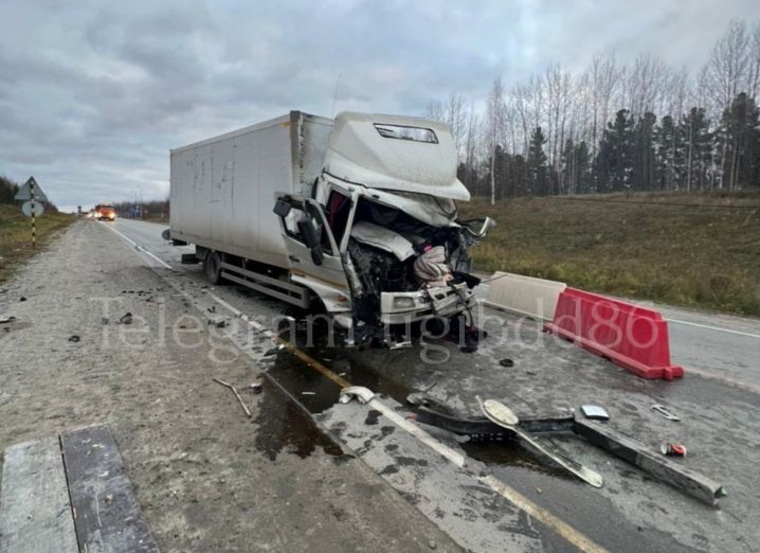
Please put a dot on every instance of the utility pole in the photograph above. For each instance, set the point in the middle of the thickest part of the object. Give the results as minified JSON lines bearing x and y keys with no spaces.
{"x":141,"y":201}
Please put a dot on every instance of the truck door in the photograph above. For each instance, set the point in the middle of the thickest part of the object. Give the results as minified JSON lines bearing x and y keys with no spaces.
{"x":313,"y":254}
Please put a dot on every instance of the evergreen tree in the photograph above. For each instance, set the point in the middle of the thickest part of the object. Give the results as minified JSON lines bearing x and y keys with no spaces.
{"x":670,"y":147}
{"x":741,"y":143}
{"x":517,"y":171}
{"x":695,"y":130}
{"x":576,"y":165}
{"x":567,"y":166}
{"x":643,"y":153}
{"x":8,"y":190}
{"x":614,"y":162}
{"x":582,"y":167}
{"x":537,"y":167}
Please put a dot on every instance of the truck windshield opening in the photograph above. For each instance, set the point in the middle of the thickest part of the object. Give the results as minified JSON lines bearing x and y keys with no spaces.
{"x":415,"y":134}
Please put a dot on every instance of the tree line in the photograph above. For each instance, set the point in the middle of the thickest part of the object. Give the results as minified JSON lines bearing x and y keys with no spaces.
{"x":614,"y":127}
{"x":139,"y":210}
{"x":8,"y":190}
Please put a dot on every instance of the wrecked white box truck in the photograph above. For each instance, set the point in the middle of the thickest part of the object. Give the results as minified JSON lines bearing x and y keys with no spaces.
{"x":355,"y":216}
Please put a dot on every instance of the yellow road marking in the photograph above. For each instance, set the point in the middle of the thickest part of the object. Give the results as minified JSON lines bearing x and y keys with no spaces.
{"x":568,"y":532}
{"x":313,"y":363}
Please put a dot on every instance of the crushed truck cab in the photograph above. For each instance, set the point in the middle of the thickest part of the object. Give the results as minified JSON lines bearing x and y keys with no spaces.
{"x":363,"y":207}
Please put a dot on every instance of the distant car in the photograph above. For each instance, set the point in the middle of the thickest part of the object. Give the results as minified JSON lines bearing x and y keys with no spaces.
{"x":105,"y":212}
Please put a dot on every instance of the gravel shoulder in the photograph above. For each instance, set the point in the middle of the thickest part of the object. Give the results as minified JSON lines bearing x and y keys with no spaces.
{"x":207,"y":477}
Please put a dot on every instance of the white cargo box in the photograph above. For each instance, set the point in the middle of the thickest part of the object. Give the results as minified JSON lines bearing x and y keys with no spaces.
{"x":223,"y":188}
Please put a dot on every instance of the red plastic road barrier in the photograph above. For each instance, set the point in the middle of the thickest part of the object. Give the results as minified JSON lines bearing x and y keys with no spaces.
{"x":632,"y":337}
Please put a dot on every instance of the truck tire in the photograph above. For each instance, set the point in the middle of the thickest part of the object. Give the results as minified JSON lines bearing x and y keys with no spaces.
{"x":212,"y":266}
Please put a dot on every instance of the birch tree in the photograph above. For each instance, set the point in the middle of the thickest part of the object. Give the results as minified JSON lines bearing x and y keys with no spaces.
{"x":726,"y":73}
{"x":728,"y":65}
{"x":557,"y":84}
{"x":495,"y":128}
{"x":753,"y":77}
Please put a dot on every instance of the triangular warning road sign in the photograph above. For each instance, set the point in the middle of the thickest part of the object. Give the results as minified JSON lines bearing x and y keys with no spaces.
{"x":25,"y":192}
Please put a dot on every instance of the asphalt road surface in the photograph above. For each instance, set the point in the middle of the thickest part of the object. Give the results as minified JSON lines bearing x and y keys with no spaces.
{"x":310,"y":473}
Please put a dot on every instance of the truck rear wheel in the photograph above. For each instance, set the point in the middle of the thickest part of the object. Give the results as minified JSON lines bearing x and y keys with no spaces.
{"x":212,"y":266}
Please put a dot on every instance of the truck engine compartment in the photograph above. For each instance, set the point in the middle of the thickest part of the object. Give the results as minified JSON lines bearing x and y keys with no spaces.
{"x":394,"y":252}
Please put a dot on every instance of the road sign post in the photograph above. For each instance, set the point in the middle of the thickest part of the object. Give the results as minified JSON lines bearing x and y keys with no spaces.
{"x":34,"y":206}
{"x":34,"y":217}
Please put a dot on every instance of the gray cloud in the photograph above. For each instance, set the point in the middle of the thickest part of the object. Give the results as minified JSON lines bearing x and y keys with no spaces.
{"x":93,"y":94}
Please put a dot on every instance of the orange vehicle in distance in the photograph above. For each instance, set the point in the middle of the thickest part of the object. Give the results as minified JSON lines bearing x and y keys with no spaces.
{"x":105,"y":212}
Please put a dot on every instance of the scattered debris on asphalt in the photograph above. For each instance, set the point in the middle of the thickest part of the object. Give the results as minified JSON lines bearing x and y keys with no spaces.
{"x":212,"y":309}
{"x":399,"y":345}
{"x":274,"y":350}
{"x":362,"y":394}
{"x":506,"y":362}
{"x":500,"y":414}
{"x":433,"y":385}
{"x":74,"y":338}
{"x":431,"y":411}
{"x":237,"y":395}
{"x":22,"y":298}
{"x":673,"y":449}
{"x":665,"y":412}
{"x":595,"y":412}
{"x":126,"y":319}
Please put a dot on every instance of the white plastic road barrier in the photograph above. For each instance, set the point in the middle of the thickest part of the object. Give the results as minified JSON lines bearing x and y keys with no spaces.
{"x":523,"y":295}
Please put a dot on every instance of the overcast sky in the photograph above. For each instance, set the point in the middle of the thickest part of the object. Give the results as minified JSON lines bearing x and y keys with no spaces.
{"x":94,"y":94}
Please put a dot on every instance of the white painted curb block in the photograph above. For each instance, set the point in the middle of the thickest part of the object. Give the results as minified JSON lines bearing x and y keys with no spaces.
{"x":527,"y":296}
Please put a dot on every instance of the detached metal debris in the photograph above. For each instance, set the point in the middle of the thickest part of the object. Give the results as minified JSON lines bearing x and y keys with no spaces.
{"x":237,"y":395}
{"x":665,"y":412}
{"x":479,"y":428}
{"x":500,"y":414}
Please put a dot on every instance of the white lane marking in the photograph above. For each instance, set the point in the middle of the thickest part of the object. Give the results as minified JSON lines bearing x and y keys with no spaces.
{"x":161,"y":261}
{"x":139,"y":247}
{"x":568,"y":532}
{"x":124,"y":236}
{"x":724,"y":379}
{"x":715,"y":328}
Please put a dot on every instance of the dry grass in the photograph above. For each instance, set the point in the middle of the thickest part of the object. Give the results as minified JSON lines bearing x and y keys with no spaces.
{"x":16,"y":236}
{"x":699,"y":250}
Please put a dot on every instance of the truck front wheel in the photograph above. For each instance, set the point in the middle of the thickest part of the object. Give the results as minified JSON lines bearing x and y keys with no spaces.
{"x":212,"y":266}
